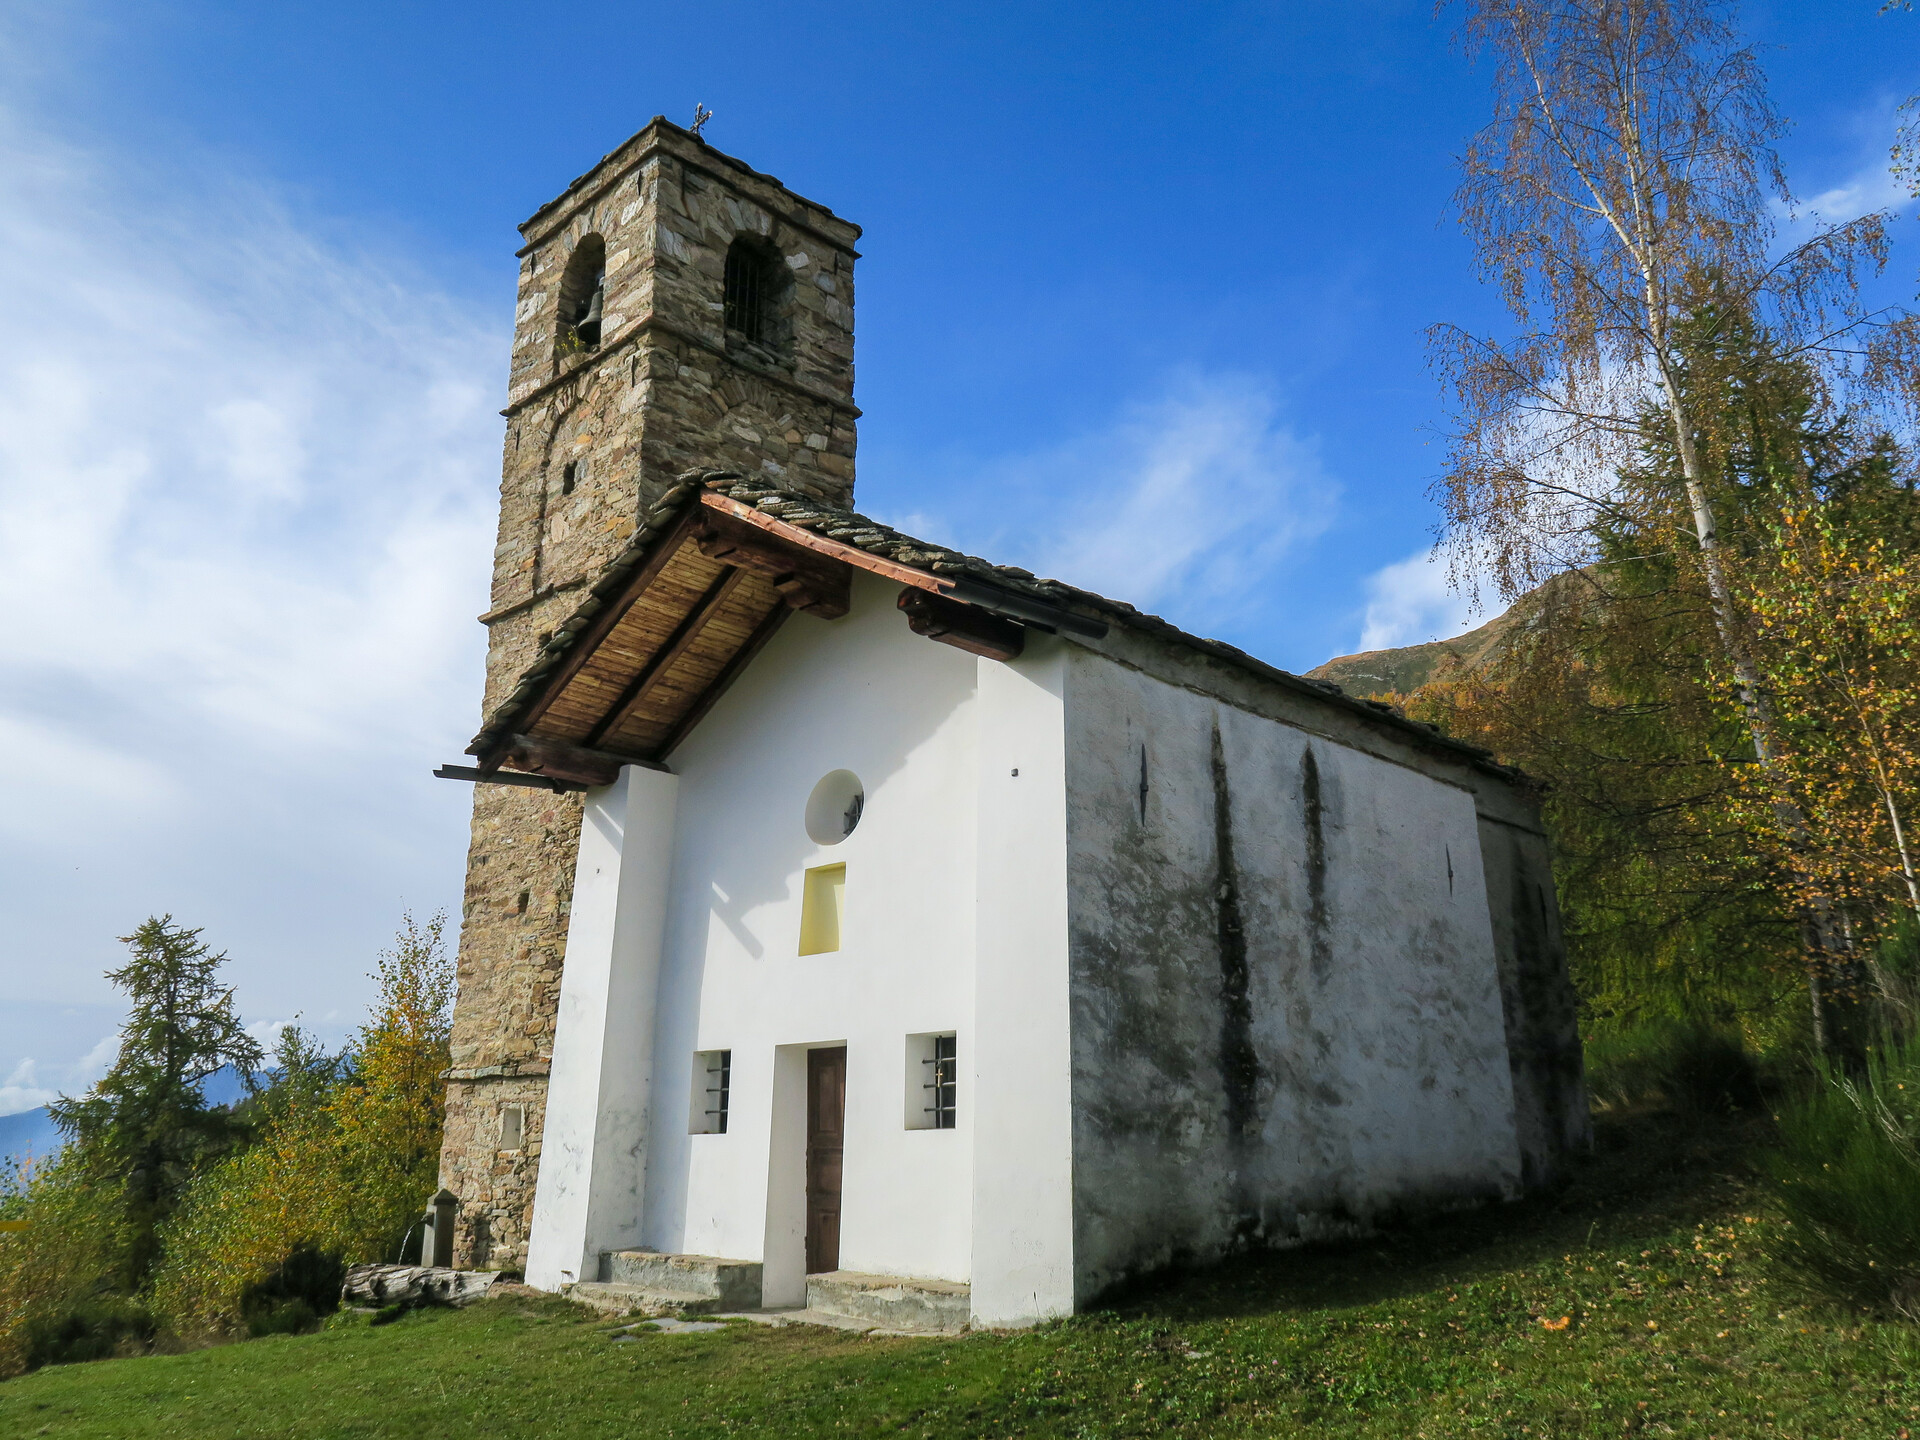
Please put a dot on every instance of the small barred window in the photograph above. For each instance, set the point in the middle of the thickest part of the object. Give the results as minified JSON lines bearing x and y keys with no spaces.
{"x":933,"y":1082}
{"x":712,"y":1089}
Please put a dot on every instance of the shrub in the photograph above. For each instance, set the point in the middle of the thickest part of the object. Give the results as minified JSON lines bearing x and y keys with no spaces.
{"x":1690,"y":1066}
{"x":295,"y":1296}
{"x":98,"y":1327}
{"x":1847,"y":1174}
{"x":349,"y":1154}
{"x":57,"y":1277}
{"x":246,"y":1218}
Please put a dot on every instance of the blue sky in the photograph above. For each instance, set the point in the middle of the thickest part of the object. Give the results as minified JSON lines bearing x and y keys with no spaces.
{"x":1141,"y":306}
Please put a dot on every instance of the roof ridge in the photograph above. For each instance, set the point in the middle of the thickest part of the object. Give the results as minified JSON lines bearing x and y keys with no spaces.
{"x":850,"y":527}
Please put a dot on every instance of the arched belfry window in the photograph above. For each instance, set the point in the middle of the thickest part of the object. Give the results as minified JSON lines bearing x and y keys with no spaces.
{"x":583,"y":295}
{"x":759,"y":296}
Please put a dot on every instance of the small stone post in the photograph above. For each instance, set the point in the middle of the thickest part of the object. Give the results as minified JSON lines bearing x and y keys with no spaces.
{"x":436,"y":1243}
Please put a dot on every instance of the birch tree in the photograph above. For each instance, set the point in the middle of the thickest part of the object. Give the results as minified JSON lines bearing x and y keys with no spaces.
{"x":1627,"y":177}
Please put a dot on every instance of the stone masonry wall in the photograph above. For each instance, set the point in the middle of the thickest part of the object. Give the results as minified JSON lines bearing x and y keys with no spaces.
{"x":592,"y":439}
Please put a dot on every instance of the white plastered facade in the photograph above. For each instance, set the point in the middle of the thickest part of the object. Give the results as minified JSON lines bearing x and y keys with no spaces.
{"x":978,"y":899}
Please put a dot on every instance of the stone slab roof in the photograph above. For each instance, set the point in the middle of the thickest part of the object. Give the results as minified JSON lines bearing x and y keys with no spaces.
{"x":832,"y":532}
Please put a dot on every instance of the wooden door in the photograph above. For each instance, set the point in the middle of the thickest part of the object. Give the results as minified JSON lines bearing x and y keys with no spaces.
{"x":826,"y":1142}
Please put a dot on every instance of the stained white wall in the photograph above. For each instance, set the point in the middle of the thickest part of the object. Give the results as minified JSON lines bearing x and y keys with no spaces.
{"x":1370,"y":1057}
{"x":1039,"y":869}
{"x":861,"y":693}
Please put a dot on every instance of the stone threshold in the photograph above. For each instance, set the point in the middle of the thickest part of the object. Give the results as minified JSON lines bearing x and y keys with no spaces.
{"x":646,"y":1282}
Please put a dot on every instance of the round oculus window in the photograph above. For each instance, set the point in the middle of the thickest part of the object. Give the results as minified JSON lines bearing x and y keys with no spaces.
{"x":834,"y":807}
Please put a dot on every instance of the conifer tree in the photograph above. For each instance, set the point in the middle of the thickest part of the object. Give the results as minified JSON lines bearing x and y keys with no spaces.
{"x":146,"y":1125}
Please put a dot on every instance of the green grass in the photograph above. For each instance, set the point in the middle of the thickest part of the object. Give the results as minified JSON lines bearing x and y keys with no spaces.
{"x":1652,"y":1257}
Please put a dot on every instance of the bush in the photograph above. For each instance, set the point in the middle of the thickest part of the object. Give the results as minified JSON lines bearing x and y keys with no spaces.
{"x":1847,"y":1175}
{"x":243,"y":1221}
{"x":242,"y":1238}
{"x":57,"y":1277}
{"x":96,"y":1328}
{"x":349,"y":1154}
{"x":1689,"y":1066}
{"x":295,"y":1296}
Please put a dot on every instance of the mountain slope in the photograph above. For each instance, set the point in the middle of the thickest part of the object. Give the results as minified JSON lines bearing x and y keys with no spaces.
{"x":1406,"y":669}
{"x":1402,"y":671}
{"x":31,"y":1132}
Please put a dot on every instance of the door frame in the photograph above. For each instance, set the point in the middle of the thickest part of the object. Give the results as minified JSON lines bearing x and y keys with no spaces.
{"x":783,"y":1254}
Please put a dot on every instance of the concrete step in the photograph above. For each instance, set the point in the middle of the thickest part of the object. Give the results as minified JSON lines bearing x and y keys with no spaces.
{"x":611,"y":1299}
{"x":892,"y":1302}
{"x":653,"y":1283}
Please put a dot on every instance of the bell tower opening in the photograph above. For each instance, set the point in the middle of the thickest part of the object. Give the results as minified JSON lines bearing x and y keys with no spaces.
{"x":583,"y":295}
{"x":759,"y":299}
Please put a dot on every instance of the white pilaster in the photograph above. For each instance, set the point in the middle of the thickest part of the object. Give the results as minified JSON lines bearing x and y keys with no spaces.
{"x":594,"y":1144}
{"x":1022,"y":1268}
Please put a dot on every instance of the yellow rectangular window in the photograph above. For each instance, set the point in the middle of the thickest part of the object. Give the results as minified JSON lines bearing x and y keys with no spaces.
{"x":822,"y":907}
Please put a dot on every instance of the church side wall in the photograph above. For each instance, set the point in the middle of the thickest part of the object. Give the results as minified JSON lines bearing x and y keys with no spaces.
{"x":1286,"y":1007}
{"x":1537,"y":997}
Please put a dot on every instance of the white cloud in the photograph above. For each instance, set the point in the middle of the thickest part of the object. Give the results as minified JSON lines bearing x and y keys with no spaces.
{"x":247,"y":485}
{"x":1410,"y":603}
{"x":22,"y":1090}
{"x":237,"y":470}
{"x":27,"y":1089}
{"x":1182,"y":504}
{"x":1871,"y":186}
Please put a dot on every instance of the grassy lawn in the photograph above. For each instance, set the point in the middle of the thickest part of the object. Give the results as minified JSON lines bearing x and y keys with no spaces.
{"x":1633,"y":1303}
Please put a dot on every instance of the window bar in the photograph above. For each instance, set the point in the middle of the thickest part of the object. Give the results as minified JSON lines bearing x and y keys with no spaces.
{"x":944,"y":1084}
{"x":721,"y":1066}
{"x":743,"y":301}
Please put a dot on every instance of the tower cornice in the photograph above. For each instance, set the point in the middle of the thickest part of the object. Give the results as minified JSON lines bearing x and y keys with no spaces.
{"x":662,"y":136}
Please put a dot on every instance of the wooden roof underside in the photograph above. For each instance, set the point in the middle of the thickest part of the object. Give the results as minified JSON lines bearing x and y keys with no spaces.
{"x":710,"y":593}
{"x":665,"y":649}
{"x":675,"y":643}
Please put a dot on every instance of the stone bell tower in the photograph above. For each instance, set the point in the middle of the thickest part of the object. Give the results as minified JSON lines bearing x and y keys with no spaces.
{"x":677,"y":310}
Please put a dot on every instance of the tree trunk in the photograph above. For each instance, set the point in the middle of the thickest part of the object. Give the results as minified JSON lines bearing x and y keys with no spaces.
{"x":1831,"y":979}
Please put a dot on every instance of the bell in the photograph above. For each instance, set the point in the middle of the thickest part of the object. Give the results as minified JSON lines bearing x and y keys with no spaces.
{"x":588,"y":326}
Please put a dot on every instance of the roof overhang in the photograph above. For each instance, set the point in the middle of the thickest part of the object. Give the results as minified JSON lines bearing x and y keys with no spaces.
{"x":665,"y":643}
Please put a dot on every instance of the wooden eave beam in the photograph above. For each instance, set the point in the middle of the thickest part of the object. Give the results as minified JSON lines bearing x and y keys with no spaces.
{"x":965,"y":627}
{"x":804,"y":579}
{"x":474,"y":775}
{"x":805,"y":539}
{"x":965,"y":588}
{"x":677,"y":644}
{"x":601,"y":625}
{"x":541,"y":755}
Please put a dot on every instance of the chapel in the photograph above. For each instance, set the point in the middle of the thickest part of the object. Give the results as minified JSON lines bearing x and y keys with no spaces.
{"x":858,"y":925}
